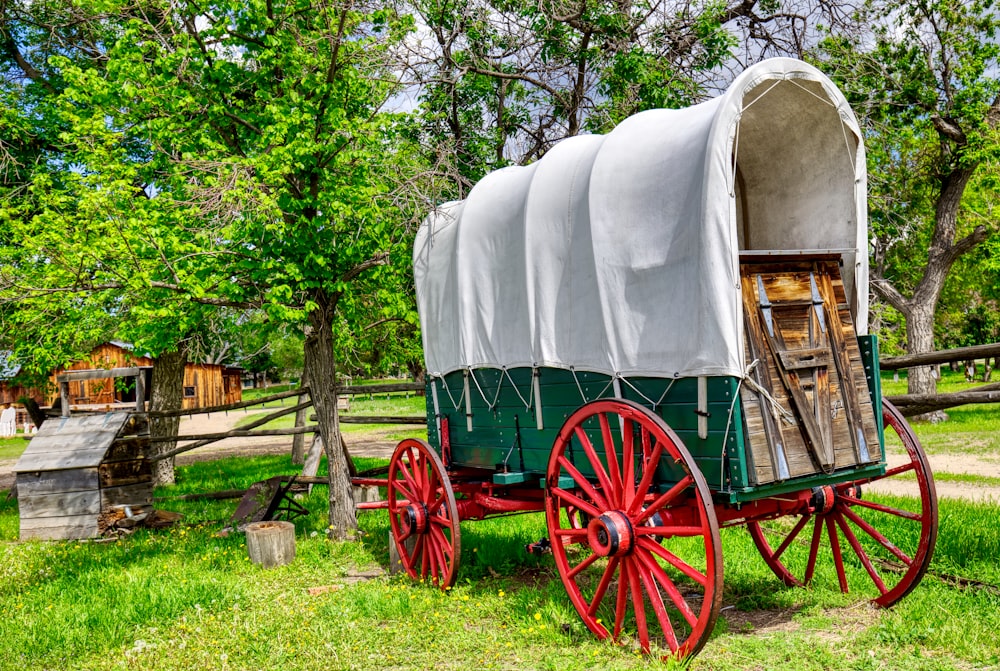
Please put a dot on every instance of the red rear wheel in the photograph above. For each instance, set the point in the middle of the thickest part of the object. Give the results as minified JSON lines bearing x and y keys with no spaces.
{"x":423,"y":514}
{"x":891,"y":537}
{"x":635,"y":555}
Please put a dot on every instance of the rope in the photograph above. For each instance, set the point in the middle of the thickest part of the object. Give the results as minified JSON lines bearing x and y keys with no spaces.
{"x":785,"y":414}
{"x":825,"y":100}
{"x":729,"y":422}
{"x":451,"y":398}
{"x":582,"y":395}
{"x":527,"y":404}
{"x":580,"y":388}
{"x":492,"y":405}
{"x":654,"y":404}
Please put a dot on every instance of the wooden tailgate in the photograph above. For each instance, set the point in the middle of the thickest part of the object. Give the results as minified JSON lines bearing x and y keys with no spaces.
{"x":807,"y":407}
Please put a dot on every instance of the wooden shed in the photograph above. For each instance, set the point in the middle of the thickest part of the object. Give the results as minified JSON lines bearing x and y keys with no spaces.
{"x":205,"y":384}
{"x":10,"y":392}
{"x":77,"y":469}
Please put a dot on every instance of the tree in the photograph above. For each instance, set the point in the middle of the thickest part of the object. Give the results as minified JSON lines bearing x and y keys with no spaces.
{"x":922,"y":74}
{"x":241,"y":156}
{"x":500,"y":82}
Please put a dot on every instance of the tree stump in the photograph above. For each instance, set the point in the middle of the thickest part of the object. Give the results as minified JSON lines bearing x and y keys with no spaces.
{"x":395,"y":562}
{"x":271,"y":544}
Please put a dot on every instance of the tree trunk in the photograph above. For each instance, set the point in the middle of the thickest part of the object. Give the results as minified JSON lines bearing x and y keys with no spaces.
{"x":321,"y":372}
{"x":919,"y":339}
{"x":299,"y":441}
{"x":166,"y":394}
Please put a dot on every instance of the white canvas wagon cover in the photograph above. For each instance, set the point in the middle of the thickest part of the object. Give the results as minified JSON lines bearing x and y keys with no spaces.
{"x":619,"y":253}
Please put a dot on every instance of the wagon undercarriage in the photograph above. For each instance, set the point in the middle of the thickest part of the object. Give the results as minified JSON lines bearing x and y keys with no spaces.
{"x":641,"y":559}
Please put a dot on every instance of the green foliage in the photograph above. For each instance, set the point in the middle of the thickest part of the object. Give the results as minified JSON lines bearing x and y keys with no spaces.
{"x":921,"y":75}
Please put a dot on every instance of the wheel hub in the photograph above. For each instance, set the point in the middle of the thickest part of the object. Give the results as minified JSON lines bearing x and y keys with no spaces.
{"x":611,"y":534}
{"x":414,"y":518}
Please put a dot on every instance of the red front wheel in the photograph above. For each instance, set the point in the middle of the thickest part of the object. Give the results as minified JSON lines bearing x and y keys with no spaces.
{"x":633,"y":530}
{"x":886,"y":525}
{"x":423,"y":514}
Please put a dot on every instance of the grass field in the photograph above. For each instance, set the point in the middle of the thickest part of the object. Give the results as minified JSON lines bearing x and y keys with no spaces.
{"x":183,"y":598}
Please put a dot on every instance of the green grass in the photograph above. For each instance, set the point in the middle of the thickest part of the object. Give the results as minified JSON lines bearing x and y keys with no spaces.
{"x":11,"y":448}
{"x":183,"y":598}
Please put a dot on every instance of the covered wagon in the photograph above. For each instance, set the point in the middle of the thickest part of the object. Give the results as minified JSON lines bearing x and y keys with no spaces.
{"x":655,"y":333}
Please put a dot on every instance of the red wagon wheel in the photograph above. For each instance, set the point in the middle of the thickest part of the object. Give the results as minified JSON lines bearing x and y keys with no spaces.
{"x":629,"y":551}
{"x":892,"y":541}
{"x":423,"y":514}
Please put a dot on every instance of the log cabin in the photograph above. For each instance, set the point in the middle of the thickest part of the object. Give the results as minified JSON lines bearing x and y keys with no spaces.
{"x":205,"y":384}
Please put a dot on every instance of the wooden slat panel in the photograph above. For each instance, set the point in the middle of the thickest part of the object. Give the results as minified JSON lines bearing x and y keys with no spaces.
{"x":126,"y":449}
{"x":60,"y":505}
{"x":59,"y":528}
{"x":128,"y":495}
{"x":125,"y":473}
{"x":65,"y":460}
{"x":49,"y":482}
{"x":809,"y":357}
{"x":89,"y":432}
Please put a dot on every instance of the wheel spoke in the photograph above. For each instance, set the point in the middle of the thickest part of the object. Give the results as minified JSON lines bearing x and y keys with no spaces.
{"x":791,"y":536}
{"x":576,"y":535}
{"x":860,"y":552}
{"x":622,"y":600}
{"x":838,"y":560}
{"x":897,"y":470}
{"x":595,"y":462}
{"x":674,"y":561}
{"x":602,"y":587}
{"x":411,"y":483}
{"x":615,"y":493}
{"x":628,"y":462}
{"x":669,"y":531}
{"x":813,"y":550}
{"x":882,"y":508}
{"x":431,"y":553}
{"x":582,"y":566}
{"x":656,"y":572}
{"x":657,"y":601}
{"x":882,"y":540}
{"x":649,"y":470}
{"x":423,"y":479}
{"x":663,"y":499}
{"x":575,"y":500}
{"x":443,"y":541}
{"x":638,"y":604}
{"x":424,"y":555}
{"x":582,"y":482}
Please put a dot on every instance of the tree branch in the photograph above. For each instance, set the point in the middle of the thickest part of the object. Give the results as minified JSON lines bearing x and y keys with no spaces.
{"x":380,"y":259}
{"x":890,"y":294}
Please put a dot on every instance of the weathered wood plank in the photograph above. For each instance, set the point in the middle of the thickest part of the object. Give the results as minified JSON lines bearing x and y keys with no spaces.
{"x":99,"y":374}
{"x":60,"y":505}
{"x":50,"y":482}
{"x":940,"y":356}
{"x":71,"y":527}
{"x":126,"y":449}
{"x":125,"y":473}
{"x":62,"y":460}
{"x":128,"y":495}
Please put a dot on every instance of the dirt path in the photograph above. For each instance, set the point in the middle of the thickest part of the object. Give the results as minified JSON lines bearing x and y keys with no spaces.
{"x":378,"y":443}
{"x":374,"y":443}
